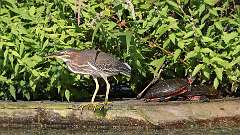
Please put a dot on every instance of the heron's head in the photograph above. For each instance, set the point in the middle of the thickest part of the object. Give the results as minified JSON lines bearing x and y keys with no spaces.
{"x":65,"y":55}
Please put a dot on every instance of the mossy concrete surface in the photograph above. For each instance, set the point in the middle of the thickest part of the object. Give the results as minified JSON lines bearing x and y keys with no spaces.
{"x":127,"y":113}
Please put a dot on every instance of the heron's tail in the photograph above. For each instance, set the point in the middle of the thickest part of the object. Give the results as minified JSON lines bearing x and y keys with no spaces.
{"x":126,"y":69}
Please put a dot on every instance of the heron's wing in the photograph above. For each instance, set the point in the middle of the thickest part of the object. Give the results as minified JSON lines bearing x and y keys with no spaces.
{"x":108,"y":63}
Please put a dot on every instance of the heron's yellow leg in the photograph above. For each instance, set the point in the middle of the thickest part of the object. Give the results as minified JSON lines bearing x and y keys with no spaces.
{"x":96,"y":90}
{"x":108,"y":89}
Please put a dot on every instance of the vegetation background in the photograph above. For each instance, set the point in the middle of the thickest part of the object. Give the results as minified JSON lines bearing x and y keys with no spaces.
{"x":197,"y":37}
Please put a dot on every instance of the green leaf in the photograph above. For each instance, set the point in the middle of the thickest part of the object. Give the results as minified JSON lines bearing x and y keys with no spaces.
{"x":157,"y":63}
{"x":221,"y":62}
{"x":229,"y":36}
{"x":22,"y":83}
{"x":97,"y":28}
{"x":162,"y":29}
{"x":12,"y":2}
{"x":12,"y":91}
{"x":198,"y":31}
{"x":176,"y":54}
{"x":10,"y":57}
{"x":211,"y":2}
{"x":197,"y":69}
{"x":189,"y":34}
{"x":31,"y":61}
{"x":166,"y":43}
{"x":5,"y":54}
{"x":21,"y":50}
{"x":215,"y":83}
{"x":36,"y":58}
{"x":111,"y":25}
{"x":191,"y":54}
{"x":16,"y":54}
{"x":141,"y":31}
{"x":218,"y":25}
{"x":7,"y":44}
{"x":236,"y":50}
{"x":214,"y":12}
{"x":67,"y":95}
{"x":35,"y":72}
{"x":236,"y":61}
{"x":26,"y":95}
{"x":204,"y":18}
{"x":206,"y":50}
{"x":219,"y":72}
{"x":207,"y":39}
{"x":172,"y":37}
{"x":201,"y":9}
{"x":164,"y":11}
{"x":206,"y":60}
{"x":206,"y":73}
{"x":30,"y":40}
{"x":186,"y":2}
{"x":181,"y":44}
{"x":32,"y":11}
{"x":45,"y":44}
{"x":173,"y":4}
{"x":3,"y":78}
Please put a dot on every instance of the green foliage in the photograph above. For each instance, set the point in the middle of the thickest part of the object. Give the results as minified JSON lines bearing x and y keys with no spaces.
{"x":200,"y":38}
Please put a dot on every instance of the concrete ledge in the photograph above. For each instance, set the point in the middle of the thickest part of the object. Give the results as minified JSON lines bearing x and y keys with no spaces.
{"x":128,"y":113}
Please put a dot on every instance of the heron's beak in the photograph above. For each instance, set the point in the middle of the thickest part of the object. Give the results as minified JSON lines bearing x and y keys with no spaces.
{"x":54,"y":55}
{"x":59,"y":55}
{"x":50,"y":56}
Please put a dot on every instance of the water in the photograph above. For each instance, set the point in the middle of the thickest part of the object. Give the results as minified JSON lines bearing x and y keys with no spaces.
{"x":116,"y":131}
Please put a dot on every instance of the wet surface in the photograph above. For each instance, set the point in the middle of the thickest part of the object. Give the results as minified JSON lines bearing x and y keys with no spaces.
{"x":121,"y":131}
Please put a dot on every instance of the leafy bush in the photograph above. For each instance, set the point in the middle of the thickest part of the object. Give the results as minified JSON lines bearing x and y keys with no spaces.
{"x":199,"y":38}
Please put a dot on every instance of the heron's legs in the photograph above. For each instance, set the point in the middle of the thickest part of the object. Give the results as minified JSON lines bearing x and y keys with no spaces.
{"x":96,"y":90}
{"x":108,"y":88}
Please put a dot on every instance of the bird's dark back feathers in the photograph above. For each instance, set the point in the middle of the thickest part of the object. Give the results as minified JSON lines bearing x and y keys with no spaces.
{"x":102,"y":61}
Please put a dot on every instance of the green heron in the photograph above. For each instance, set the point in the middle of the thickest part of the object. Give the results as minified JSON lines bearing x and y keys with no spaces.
{"x":93,"y":62}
